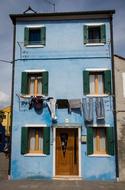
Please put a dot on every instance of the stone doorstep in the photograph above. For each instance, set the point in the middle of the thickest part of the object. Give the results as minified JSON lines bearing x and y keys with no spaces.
{"x":67,"y":178}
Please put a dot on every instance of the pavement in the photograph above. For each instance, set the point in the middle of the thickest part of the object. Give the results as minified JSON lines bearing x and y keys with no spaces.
{"x":60,"y":185}
{"x":52,"y":184}
{"x":4,"y":161}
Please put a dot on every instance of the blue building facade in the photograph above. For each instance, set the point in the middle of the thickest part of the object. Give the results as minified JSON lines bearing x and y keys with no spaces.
{"x":63,"y":122}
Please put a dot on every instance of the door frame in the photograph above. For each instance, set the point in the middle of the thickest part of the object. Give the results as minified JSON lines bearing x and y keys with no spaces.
{"x":54,"y":149}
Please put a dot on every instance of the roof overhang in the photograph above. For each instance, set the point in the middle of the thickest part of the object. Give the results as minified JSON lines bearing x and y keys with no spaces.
{"x":62,"y":15}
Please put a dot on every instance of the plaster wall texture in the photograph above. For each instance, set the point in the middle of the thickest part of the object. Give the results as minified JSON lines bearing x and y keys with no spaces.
{"x":120,"y":113}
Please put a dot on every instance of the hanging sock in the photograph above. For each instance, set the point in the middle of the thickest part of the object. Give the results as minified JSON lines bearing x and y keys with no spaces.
{"x":99,"y":108}
{"x":88,"y":109}
{"x":52,"y":107}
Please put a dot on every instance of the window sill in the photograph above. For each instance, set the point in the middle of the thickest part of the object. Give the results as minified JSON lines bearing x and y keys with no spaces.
{"x":97,"y":95}
{"x":35,"y":46}
{"x":94,"y":44}
{"x":35,"y":155}
{"x":31,"y":95}
{"x":99,"y":155}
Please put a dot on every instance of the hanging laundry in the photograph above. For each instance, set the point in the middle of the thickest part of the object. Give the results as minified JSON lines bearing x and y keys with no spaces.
{"x":75,"y":104}
{"x":99,"y":108}
{"x":62,"y":104}
{"x":88,"y":109}
{"x":52,"y":107}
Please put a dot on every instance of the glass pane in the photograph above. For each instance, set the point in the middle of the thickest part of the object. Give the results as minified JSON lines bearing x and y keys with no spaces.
{"x":94,"y":34}
{"x":100,"y":84}
{"x":31,"y":85}
{"x":34,"y":36}
{"x":102,"y":140}
{"x":39,"y":84}
{"x":92,"y":84}
{"x":32,"y":139}
{"x":40,"y":139}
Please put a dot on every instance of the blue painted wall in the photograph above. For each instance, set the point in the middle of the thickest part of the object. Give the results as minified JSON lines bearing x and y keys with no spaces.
{"x":65,"y":57}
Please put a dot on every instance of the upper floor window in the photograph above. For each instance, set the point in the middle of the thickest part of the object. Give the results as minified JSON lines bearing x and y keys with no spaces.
{"x":34,"y":83}
{"x":35,"y":36}
{"x":97,"y":83}
{"x":94,"y":34}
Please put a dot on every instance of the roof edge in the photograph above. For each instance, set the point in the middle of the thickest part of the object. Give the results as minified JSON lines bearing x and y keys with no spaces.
{"x":60,"y":14}
{"x":120,"y":57}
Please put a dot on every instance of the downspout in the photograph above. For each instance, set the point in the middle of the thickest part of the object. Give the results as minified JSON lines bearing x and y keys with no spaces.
{"x":12,"y":97}
{"x":114,"y":98}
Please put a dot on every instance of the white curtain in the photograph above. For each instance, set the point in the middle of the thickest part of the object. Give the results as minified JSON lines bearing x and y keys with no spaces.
{"x":40,"y":139}
{"x":100,"y":84}
{"x":39,"y":84}
{"x":102,"y":139}
{"x":92,"y":84}
{"x":31,"y":85}
{"x":32,"y":139}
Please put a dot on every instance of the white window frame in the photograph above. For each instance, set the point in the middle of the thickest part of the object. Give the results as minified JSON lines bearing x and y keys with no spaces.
{"x":34,"y":26}
{"x":94,"y":44}
{"x":35,"y":154}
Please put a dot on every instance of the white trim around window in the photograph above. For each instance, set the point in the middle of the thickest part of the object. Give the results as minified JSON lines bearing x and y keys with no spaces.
{"x":35,"y":125}
{"x":35,"y":70}
{"x":94,"y":24}
{"x":96,"y":69}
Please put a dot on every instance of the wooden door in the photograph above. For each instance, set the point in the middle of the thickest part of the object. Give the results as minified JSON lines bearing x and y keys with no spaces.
{"x":66,"y":151}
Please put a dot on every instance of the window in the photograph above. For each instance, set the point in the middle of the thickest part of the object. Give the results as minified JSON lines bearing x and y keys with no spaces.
{"x":34,"y":83}
{"x":94,"y":34}
{"x":35,"y":140}
{"x":97,"y":83}
{"x":100,"y":140}
{"x":34,"y":36}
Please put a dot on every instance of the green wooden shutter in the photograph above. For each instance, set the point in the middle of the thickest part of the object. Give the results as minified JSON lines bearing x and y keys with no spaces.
{"x":103,"y":34}
{"x":110,"y":140}
{"x":45,"y":83}
{"x":89,"y":140}
{"x":43,"y":36}
{"x":24,"y":83}
{"x":46,"y":140}
{"x":24,"y":140}
{"x":107,"y":82}
{"x":26,"y":36}
{"x":85,"y":34}
{"x":86,"y":82}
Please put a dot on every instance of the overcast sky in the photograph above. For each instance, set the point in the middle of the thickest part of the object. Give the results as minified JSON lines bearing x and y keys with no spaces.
{"x":19,"y":6}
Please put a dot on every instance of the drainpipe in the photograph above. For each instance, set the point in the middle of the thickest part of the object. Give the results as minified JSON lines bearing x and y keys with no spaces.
{"x":114,"y":99}
{"x":12,"y":95}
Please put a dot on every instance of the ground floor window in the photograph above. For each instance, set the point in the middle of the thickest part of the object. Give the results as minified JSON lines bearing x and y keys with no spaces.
{"x":35,"y":140}
{"x":100,"y":140}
